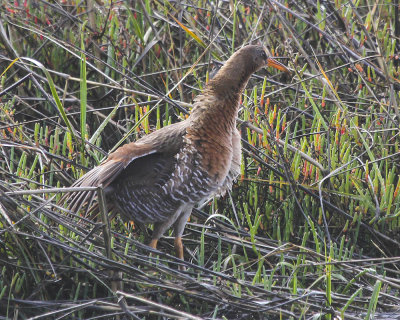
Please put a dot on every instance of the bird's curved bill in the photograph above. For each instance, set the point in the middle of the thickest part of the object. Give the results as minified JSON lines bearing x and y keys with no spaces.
{"x":277,"y":65}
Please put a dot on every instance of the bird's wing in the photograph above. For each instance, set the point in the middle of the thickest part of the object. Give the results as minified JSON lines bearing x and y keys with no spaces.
{"x":146,"y":158}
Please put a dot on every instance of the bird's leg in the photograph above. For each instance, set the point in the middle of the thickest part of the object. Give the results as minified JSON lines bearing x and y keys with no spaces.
{"x":158,"y":230}
{"x":178,"y":247}
{"x":179,"y":226}
{"x":179,"y":251}
{"x":153,"y":243}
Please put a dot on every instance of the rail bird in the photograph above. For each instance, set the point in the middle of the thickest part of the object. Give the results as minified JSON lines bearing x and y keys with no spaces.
{"x":160,"y":178}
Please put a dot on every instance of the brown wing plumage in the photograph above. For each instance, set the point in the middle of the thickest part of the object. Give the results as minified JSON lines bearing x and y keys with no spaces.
{"x":104,"y":174}
{"x":123,"y":158}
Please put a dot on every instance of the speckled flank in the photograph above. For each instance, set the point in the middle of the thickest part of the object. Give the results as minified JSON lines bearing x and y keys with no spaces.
{"x":161,"y":185}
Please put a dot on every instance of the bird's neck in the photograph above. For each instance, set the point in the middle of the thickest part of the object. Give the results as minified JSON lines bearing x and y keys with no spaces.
{"x":215,"y":111}
{"x":217,"y":106}
{"x":230,"y":80}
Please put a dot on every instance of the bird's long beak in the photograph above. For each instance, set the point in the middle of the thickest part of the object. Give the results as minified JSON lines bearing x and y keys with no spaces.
{"x":277,"y":65}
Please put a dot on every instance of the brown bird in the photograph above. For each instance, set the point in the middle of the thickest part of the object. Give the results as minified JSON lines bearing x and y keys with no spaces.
{"x":162,"y":176}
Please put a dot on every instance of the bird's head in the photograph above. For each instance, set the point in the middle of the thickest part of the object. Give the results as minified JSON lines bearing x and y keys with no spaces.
{"x":261,"y":59}
{"x":235,"y":73}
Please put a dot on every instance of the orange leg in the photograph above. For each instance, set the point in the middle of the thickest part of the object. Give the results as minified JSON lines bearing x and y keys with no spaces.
{"x":179,"y":251}
{"x":178,"y":247}
{"x":153,"y":243}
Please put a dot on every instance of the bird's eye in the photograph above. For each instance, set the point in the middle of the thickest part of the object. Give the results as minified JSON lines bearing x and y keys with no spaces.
{"x":264,"y":55}
{"x":260,"y":57}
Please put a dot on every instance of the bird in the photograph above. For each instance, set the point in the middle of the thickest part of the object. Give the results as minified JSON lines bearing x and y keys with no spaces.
{"x":159,"y":178}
